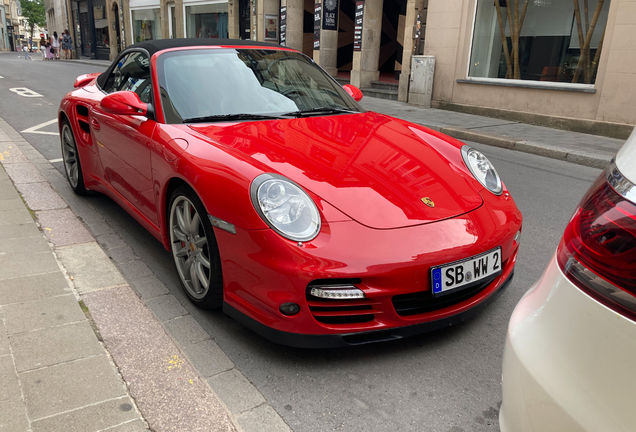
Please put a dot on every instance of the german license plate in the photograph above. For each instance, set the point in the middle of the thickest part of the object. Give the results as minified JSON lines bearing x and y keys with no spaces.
{"x":459,"y":274}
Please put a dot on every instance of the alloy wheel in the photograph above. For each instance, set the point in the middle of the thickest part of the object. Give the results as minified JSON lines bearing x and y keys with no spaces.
{"x":190,"y":247}
{"x":69,"y":156}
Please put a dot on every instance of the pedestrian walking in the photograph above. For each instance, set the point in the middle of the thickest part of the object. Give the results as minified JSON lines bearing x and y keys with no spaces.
{"x":55,"y":44}
{"x":43,"y":43}
{"x":67,"y":44}
{"x":50,"y":53}
{"x":26,"y":53}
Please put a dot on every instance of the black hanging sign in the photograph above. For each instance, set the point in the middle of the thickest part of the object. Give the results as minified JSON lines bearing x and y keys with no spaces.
{"x":357,"y":29}
{"x":317,"y":13}
{"x":283,"y":26}
{"x":330,"y":15}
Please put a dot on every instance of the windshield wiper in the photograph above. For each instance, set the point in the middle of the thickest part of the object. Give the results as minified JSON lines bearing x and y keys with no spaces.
{"x":231,"y":117}
{"x":320,"y":110}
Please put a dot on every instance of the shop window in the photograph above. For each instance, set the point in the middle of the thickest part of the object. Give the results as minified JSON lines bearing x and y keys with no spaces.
{"x":146,"y":24}
{"x":539,"y":41}
{"x":207,"y":21}
{"x":101,"y":23}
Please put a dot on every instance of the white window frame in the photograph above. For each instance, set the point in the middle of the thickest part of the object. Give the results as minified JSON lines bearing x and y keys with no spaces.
{"x":515,"y":82}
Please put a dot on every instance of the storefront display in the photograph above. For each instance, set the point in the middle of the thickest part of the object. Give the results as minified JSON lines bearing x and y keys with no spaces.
{"x":550,"y":40}
{"x":207,"y":20}
{"x":146,"y":24}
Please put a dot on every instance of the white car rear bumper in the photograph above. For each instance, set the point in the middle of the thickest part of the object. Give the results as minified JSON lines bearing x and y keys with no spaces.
{"x":569,"y":362}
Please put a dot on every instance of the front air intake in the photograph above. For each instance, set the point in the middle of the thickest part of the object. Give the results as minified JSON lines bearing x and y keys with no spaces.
{"x":339,"y":302}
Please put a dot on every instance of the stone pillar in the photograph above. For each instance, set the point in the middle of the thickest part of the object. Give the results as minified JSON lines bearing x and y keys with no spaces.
{"x":112,"y":32}
{"x":233,"y":26}
{"x":165,"y":19}
{"x":265,"y":7}
{"x":128,"y":31}
{"x":366,"y":62}
{"x":295,"y":17}
{"x":327,"y":56}
{"x":412,"y":8}
{"x":179,"y":17}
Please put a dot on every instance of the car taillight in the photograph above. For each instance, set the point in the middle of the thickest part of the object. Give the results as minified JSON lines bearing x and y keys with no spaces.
{"x":598,"y":249}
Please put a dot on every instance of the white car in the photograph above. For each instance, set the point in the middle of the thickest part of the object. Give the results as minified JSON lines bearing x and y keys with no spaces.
{"x":570,"y":357}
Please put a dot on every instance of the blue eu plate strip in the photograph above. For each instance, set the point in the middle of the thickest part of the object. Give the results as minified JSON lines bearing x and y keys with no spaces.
{"x":437,"y":280}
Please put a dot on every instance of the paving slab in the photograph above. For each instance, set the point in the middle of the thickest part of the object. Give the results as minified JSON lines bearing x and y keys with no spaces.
{"x":186,"y":330}
{"x":15,"y":217}
{"x":24,"y":246}
{"x":134,"y":426}
{"x":93,"y":418}
{"x":89,"y":267}
{"x":262,"y":419}
{"x":62,"y":228}
{"x":52,"y":346}
{"x":12,"y":265}
{"x":68,"y":386}
{"x":41,"y":314}
{"x":21,"y":231}
{"x":148,"y":287}
{"x":166,"y":307}
{"x":238,"y":394}
{"x":24,"y":173}
{"x":40,"y":196}
{"x":8,"y":192}
{"x":122,"y":255}
{"x":135,"y":268}
{"x":10,"y":154}
{"x":13,"y":416}
{"x":109,"y":241}
{"x":12,"y":203}
{"x":165,"y":386}
{"x":9,"y":381}
{"x":5,"y":349}
{"x":208,"y":358}
{"x":27,"y":288}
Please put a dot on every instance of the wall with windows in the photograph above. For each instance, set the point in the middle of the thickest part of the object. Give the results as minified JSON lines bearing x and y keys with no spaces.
{"x":547,"y":70}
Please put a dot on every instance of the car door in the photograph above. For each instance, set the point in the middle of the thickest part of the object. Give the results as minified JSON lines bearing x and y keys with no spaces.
{"x":123,"y":141}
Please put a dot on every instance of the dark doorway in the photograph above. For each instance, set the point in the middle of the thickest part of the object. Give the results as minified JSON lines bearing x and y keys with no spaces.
{"x":244,"y":20}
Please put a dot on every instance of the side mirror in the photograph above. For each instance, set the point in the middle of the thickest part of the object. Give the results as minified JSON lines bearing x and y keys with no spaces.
{"x":353,"y":91}
{"x":124,"y":103}
{"x":85,"y":79}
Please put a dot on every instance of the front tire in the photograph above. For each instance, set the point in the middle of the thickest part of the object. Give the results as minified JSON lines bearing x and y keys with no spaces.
{"x":70,"y":158}
{"x":194,"y":249}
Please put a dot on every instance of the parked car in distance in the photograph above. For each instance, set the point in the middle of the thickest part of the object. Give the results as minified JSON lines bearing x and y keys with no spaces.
{"x":569,"y":356}
{"x":311,"y":221}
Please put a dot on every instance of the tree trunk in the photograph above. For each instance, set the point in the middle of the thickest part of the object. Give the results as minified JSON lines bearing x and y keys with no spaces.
{"x":588,"y":39}
{"x":579,"y":28}
{"x":504,"y":40}
{"x":597,"y":56}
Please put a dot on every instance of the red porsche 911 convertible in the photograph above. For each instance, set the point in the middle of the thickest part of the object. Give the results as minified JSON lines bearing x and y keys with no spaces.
{"x":313,"y":222}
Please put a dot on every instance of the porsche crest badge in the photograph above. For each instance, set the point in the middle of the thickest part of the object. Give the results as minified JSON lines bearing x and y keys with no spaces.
{"x":429,"y":202}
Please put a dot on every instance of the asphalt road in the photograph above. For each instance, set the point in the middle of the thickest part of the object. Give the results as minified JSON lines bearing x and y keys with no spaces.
{"x":446,"y":381}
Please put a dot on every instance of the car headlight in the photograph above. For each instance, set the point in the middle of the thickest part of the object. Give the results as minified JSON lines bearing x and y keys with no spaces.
{"x":482,"y":169}
{"x":285,"y":207}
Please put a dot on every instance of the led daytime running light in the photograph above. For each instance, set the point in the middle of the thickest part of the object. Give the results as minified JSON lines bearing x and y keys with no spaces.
{"x":337,"y":293}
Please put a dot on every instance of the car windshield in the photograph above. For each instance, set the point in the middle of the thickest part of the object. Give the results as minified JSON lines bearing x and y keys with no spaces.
{"x":239,"y":84}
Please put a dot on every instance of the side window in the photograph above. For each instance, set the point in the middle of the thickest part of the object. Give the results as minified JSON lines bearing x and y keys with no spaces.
{"x":132,"y":73}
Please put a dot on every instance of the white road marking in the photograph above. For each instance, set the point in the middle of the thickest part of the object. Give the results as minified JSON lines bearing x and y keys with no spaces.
{"x":35,"y":130}
{"x":23,"y":91}
{"x":56,"y":160}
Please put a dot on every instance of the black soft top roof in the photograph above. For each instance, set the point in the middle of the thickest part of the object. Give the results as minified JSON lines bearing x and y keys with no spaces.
{"x":154,"y":46}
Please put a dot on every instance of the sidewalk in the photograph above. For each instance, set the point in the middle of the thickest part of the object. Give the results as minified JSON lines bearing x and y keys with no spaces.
{"x":582,"y":149}
{"x":79,"y":350}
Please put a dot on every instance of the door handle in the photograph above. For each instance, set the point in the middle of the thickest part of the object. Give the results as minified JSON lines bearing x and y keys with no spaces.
{"x":95,"y":124}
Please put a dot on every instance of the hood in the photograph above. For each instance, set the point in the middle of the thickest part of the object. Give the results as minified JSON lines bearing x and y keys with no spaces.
{"x":376,"y":169}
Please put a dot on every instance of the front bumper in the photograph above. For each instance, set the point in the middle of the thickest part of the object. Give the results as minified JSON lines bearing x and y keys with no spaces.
{"x":568,"y":362}
{"x":262,"y":270}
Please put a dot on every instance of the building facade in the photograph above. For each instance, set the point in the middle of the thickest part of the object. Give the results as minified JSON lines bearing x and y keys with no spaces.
{"x":566,"y":63}
{"x":563,"y":63}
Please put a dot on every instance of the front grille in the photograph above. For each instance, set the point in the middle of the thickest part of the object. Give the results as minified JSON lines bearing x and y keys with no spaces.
{"x":422,"y":302}
{"x":337,"y":311}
